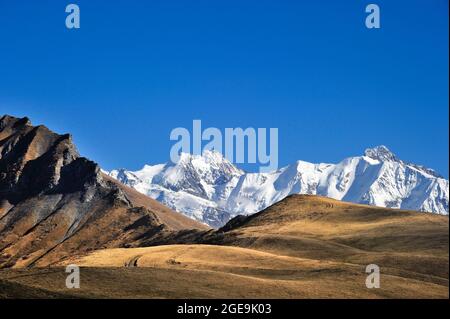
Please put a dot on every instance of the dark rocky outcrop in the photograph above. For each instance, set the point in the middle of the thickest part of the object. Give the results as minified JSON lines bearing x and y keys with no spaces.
{"x":54,"y":203}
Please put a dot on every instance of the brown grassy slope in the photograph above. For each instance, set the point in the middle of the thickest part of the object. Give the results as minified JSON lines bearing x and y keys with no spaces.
{"x":325,"y":229}
{"x":203,"y":271}
{"x":302,"y":247}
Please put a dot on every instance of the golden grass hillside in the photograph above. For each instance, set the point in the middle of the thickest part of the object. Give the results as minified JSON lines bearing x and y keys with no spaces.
{"x":325,"y":229}
{"x":302,"y":247}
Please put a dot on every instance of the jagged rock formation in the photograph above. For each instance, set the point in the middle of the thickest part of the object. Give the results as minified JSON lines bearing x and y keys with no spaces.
{"x":54,"y":203}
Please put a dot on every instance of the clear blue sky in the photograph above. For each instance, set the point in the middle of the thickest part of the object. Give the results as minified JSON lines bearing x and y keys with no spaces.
{"x":137,"y":69}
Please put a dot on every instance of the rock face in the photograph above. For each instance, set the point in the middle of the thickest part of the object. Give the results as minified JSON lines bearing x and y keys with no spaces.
{"x":210,"y":189}
{"x":54,"y":203}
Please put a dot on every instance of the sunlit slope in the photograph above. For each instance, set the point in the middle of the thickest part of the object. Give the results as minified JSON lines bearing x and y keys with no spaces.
{"x":220,"y":271}
{"x":302,"y":247}
{"x":325,"y":229}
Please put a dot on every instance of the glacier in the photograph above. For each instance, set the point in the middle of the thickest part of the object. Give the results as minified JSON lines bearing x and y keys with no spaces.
{"x":210,"y":189}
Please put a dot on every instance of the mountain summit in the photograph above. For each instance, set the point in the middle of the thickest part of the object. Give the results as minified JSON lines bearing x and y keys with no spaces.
{"x":55,"y":204}
{"x":212,"y":190}
{"x":381,"y":153}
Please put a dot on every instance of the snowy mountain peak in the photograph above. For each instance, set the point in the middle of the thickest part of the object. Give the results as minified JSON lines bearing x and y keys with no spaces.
{"x":381,"y":153}
{"x":208,"y":161}
{"x":207,"y":156}
{"x":210,"y":189}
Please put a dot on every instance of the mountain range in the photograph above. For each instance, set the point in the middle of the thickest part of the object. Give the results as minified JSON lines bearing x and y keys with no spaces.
{"x":58,"y":208}
{"x":210,"y":189}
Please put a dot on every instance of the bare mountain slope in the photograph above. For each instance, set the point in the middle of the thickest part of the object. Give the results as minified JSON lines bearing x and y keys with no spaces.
{"x":54,"y":203}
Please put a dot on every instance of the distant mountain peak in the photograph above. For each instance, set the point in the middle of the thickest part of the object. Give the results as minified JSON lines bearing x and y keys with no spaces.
{"x":208,"y":161}
{"x":207,"y":156}
{"x":381,"y":153}
{"x":214,"y":156}
{"x":210,"y":189}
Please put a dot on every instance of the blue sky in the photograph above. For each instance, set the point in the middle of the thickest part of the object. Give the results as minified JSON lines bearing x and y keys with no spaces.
{"x":135,"y":70}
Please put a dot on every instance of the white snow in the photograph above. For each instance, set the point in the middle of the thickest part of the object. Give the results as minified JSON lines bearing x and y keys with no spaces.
{"x":212,"y":190}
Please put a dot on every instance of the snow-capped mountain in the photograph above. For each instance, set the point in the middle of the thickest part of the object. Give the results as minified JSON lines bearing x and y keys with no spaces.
{"x":212,"y":190}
